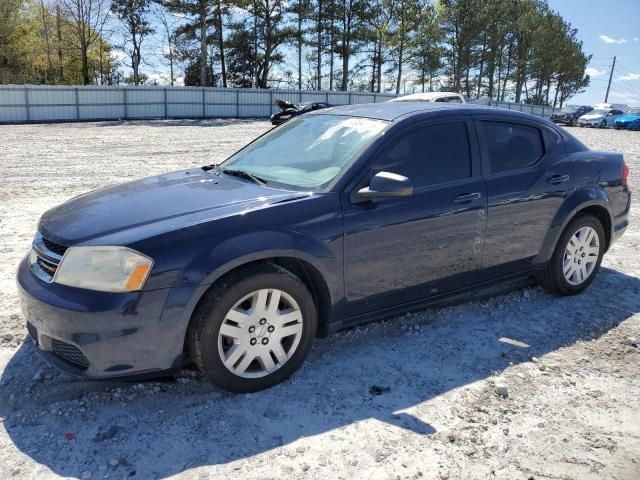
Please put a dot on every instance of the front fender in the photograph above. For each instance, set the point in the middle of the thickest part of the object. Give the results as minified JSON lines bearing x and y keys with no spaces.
{"x":580,"y":199}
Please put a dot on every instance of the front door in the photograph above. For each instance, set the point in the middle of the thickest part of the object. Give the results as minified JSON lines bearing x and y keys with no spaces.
{"x":400,"y":250}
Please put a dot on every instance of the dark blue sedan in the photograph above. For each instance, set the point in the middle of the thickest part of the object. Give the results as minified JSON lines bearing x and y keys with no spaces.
{"x":335,"y":218}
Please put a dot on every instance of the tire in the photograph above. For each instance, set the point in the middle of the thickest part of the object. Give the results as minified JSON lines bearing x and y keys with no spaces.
{"x":553,"y":278}
{"x":573,"y":122}
{"x":270,"y":364}
{"x":603,"y":124}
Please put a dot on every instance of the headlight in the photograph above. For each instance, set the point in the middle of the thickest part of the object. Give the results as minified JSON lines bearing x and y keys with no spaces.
{"x":108,"y":269}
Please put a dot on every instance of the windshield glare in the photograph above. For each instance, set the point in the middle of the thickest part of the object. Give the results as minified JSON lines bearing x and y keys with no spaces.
{"x":569,"y":109}
{"x":598,"y":112}
{"x":307,"y":152}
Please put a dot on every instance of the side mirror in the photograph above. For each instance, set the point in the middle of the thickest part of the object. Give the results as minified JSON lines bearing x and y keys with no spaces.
{"x":385,"y":185}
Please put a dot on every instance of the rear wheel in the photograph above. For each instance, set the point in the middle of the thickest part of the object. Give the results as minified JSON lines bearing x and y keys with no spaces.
{"x":603,"y":124}
{"x":573,"y":122}
{"x":253,"y":329}
{"x":577,"y":257}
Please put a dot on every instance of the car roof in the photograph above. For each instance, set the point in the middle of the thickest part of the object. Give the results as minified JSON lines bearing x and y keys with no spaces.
{"x":425,"y":96}
{"x":395,"y":111}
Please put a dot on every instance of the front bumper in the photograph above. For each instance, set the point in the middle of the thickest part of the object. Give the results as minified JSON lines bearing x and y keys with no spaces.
{"x":628,"y":125}
{"x":98,"y":335}
{"x":589,"y":123}
{"x":562,"y":120}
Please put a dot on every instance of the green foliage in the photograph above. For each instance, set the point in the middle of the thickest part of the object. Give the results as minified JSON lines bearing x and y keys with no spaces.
{"x":520,"y":46}
{"x":38,"y":46}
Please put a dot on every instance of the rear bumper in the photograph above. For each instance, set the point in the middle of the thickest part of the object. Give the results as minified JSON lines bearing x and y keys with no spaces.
{"x":96,"y":334}
{"x":621,"y":221}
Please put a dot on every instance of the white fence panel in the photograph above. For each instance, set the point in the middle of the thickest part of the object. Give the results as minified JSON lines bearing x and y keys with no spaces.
{"x":101,"y":112}
{"x":45,"y":113}
{"x":147,"y":110}
{"x":11,"y":114}
{"x":68,"y":103}
{"x":12,"y":96}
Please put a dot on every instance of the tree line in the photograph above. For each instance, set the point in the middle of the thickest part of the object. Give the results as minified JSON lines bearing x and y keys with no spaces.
{"x":518,"y":50}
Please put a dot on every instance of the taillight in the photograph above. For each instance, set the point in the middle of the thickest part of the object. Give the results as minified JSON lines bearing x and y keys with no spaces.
{"x":625,"y":173}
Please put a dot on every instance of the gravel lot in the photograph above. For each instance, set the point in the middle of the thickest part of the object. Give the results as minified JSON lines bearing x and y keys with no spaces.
{"x":572,"y":409}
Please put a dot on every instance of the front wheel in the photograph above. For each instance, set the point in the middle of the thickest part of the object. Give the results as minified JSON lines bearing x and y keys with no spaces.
{"x":577,"y":257}
{"x":253,"y":329}
{"x":603,"y":124}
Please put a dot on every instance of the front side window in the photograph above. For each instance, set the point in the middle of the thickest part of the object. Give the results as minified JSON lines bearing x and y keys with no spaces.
{"x":429,"y":155}
{"x":307,"y":152}
{"x":511,"y":145}
{"x":455,"y":100}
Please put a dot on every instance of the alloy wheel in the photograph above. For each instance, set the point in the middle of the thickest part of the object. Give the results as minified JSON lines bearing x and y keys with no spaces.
{"x":260,"y":333}
{"x":581,"y":255}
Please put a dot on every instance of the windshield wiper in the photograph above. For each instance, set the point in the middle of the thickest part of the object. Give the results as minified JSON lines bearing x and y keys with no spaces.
{"x":244,"y":174}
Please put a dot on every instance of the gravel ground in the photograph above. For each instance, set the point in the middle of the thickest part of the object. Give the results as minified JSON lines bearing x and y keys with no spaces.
{"x":520,"y":385}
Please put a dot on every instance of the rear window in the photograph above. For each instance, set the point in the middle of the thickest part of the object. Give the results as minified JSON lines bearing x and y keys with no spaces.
{"x":572,"y":144}
{"x":512,"y":145}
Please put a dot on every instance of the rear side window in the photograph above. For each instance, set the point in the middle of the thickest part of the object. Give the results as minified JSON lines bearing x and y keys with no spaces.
{"x":429,"y":155}
{"x":512,"y":146}
{"x":454,"y":100}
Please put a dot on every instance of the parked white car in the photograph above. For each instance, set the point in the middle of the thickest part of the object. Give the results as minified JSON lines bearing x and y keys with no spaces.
{"x":601,"y":118}
{"x":446,"y":97}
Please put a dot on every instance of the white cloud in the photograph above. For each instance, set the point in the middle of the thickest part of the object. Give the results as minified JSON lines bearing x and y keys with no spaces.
{"x":629,"y":77}
{"x":608,"y":39}
{"x":627,"y":98}
{"x":636,"y":39}
{"x":594,"y":72}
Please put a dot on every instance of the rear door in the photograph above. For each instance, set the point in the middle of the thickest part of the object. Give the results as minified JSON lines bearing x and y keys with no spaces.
{"x":399,"y":250}
{"x":528,"y":177}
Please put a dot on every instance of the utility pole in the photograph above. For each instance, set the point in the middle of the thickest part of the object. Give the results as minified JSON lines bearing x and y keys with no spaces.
{"x":606,"y":97}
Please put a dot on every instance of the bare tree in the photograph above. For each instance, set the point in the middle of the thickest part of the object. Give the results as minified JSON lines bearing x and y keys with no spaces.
{"x":134,"y":17}
{"x":87,"y":18}
{"x":169,"y":34}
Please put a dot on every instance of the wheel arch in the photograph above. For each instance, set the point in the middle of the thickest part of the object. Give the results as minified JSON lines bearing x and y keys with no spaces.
{"x":303,"y":268}
{"x":591,"y":201}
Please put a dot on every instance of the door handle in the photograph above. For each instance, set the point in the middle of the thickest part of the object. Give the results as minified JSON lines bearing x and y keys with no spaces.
{"x":557,"y":179}
{"x":467,"y":197}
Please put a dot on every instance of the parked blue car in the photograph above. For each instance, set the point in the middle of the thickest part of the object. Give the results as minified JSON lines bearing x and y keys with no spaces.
{"x":631,"y":120}
{"x":335,"y":218}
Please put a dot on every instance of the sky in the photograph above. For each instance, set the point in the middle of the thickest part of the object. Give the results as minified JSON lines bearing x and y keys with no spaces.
{"x":608,"y":28}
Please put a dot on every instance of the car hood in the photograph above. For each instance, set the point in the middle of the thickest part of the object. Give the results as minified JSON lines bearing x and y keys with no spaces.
{"x":628,"y":118}
{"x":154,"y":205}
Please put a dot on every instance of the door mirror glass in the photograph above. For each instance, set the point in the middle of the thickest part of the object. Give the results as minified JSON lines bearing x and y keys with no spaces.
{"x":386,"y":184}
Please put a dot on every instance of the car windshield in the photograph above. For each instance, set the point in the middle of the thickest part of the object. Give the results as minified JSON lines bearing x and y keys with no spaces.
{"x":633,"y":111}
{"x":599,"y":112}
{"x":569,"y":110}
{"x":307,"y":152}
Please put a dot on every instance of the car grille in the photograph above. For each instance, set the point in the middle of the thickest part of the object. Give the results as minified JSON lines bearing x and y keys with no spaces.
{"x":48,"y":267}
{"x":70,"y":353}
{"x":45,"y":258}
{"x":54,"y":247}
